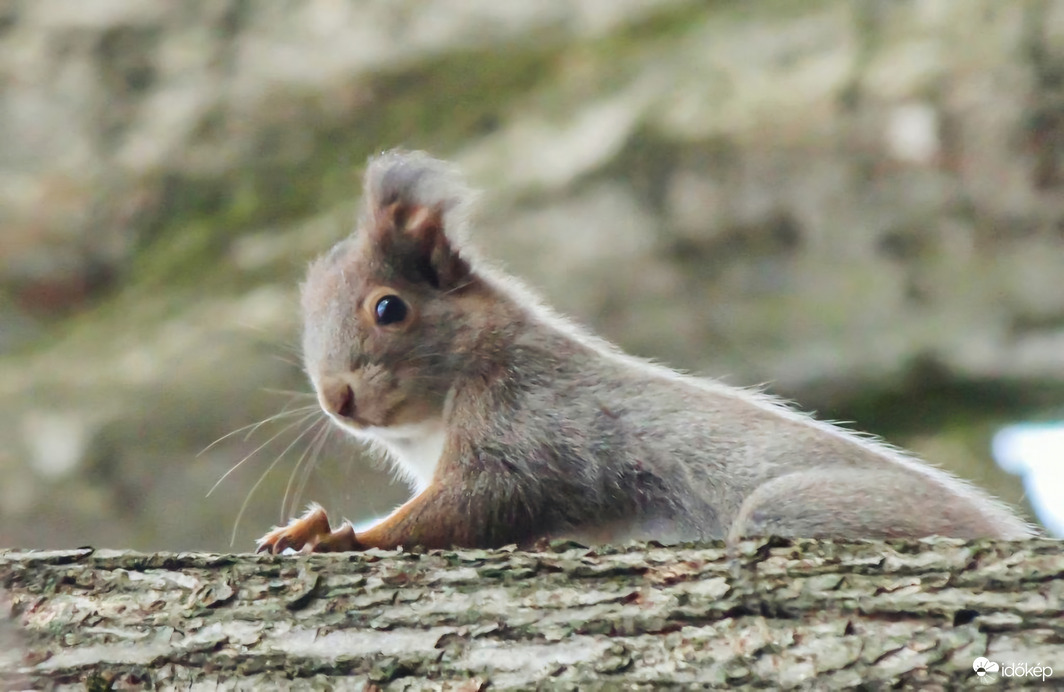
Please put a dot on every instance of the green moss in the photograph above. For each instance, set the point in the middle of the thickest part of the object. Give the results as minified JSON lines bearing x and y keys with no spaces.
{"x":928,"y":400}
{"x":308,"y":153}
{"x":673,"y":22}
{"x":309,"y":157}
{"x":668,"y":24}
{"x":649,"y":158}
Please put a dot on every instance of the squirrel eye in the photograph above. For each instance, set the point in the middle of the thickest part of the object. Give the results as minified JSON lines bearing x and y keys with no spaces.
{"x":390,"y":310}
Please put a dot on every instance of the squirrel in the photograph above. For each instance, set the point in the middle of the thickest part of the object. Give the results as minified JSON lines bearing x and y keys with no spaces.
{"x":514,"y":425}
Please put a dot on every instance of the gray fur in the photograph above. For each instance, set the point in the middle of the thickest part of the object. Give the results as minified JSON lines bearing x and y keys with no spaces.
{"x":549,"y":431}
{"x":417,"y":179}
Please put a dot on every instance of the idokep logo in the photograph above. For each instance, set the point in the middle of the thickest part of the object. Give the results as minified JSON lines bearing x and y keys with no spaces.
{"x":985,"y":668}
{"x":989,"y":671}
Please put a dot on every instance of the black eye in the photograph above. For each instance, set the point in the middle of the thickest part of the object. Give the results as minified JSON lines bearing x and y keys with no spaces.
{"x":390,"y":310}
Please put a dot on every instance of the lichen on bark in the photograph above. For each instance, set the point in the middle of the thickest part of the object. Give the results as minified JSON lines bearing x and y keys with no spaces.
{"x":777,"y":613}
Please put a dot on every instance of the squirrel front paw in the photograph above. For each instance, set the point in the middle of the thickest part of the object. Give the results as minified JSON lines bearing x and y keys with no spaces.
{"x":310,"y":533}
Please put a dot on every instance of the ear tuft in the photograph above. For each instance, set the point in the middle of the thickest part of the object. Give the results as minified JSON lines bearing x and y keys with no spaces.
{"x":413,"y":208}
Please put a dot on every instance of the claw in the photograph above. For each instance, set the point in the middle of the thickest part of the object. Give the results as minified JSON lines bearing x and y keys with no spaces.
{"x":341,"y":540}
{"x":309,"y":533}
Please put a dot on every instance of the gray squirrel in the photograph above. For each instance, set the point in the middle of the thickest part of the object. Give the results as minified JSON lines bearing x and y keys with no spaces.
{"x":514,"y":425}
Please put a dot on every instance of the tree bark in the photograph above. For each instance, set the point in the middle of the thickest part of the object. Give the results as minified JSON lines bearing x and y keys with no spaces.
{"x":770,"y":613}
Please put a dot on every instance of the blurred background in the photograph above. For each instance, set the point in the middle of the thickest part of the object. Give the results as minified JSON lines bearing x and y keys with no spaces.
{"x":857,"y":202}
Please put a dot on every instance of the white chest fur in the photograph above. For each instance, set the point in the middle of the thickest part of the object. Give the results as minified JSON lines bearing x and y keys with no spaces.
{"x":414,"y":449}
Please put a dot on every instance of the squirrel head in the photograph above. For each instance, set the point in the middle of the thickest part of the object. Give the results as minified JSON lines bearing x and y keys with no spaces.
{"x":392,"y":314}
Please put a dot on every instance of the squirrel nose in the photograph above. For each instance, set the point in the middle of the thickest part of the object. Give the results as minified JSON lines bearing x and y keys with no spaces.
{"x":337,"y":397}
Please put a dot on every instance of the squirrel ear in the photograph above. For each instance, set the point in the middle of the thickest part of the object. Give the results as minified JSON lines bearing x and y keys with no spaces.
{"x":415,"y":235}
{"x":407,"y":195}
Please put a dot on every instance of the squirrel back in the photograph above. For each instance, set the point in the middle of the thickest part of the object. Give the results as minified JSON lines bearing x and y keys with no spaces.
{"x":513,"y":424}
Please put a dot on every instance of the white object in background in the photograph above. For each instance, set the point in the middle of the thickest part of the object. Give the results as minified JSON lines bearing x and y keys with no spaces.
{"x":1035,"y":451}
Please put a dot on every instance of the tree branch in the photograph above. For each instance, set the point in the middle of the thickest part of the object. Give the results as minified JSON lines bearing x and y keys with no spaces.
{"x":772,"y":613}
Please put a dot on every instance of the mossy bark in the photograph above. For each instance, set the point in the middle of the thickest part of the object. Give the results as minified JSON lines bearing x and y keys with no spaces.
{"x":770,"y":613}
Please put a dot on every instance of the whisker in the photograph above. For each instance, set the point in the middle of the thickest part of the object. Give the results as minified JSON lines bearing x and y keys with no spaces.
{"x":459,"y":287}
{"x":318,"y":445}
{"x":258,"y":449}
{"x":304,"y":477}
{"x":285,"y":507}
{"x":421,"y":356}
{"x":252,"y":427}
{"x":308,"y":409}
{"x":290,"y":392}
{"x":291,"y":346}
{"x":262,"y":477}
{"x":295,"y":361}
